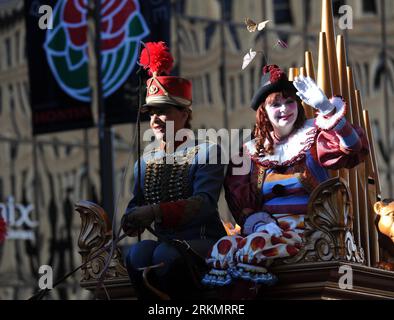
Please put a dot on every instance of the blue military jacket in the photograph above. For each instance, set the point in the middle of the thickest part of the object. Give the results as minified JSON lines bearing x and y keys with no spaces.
{"x":186,"y":182}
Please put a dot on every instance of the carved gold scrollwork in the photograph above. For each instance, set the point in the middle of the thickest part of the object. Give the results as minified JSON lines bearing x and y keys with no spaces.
{"x":328,"y":226}
{"x":96,"y":232}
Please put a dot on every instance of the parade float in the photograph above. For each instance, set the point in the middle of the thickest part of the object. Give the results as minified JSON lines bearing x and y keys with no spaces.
{"x":348,"y":228}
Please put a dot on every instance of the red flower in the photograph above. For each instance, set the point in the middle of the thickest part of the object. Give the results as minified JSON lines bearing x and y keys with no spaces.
{"x":276,"y":73}
{"x":269,"y":68}
{"x":114,"y":15}
{"x":3,"y":230}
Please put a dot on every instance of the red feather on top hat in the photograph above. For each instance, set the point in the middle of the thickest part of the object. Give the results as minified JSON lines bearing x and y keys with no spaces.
{"x":276,"y":73}
{"x":274,"y":80}
{"x":156,"y":58}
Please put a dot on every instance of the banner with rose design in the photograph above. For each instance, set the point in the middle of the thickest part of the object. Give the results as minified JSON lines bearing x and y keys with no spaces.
{"x":58,"y":59}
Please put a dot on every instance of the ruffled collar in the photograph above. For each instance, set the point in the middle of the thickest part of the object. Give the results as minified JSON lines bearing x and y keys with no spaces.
{"x":288,"y":152}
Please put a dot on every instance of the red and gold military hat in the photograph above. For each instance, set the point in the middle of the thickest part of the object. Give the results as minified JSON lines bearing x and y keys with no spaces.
{"x":163,"y":89}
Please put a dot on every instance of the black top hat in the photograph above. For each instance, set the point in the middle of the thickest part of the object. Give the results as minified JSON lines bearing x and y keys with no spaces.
{"x":273,"y":80}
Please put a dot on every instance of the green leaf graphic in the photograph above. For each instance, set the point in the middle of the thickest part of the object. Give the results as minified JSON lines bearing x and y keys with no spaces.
{"x":75,"y":56}
{"x":136,"y":27}
{"x":132,"y":50}
{"x":56,"y":18}
{"x":58,"y":41}
{"x":76,"y":79}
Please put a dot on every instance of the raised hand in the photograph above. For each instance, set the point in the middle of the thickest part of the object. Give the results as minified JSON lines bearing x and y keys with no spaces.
{"x":311,"y":94}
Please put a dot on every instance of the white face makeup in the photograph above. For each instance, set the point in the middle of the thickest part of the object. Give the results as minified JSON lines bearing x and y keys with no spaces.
{"x":282,"y":113}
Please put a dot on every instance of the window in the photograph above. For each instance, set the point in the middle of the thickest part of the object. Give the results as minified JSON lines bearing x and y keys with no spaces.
{"x":26,"y":88}
{"x":209,"y":88}
{"x":307,"y":10}
{"x":379,"y":75}
{"x":252,"y":82}
{"x":195,"y":39}
{"x":234,"y":35}
{"x":282,"y":12}
{"x":68,"y":149}
{"x":14,"y":148}
{"x":367,"y":84}
{"x":7,"y":45}
{"x":20,"y":97}
{"x":336,"y":4}
{"x":55,"y":147}
{"x":12,"y":101}
{"x":17,"y":38}
{"x":232,"y":93}
{"x":209,"y":33}
{"x":24,"y":50}
{"x":180,"y":6}
{"x":242,"y":88}
{"x":227,"y":9}
{"x":369,"y":6}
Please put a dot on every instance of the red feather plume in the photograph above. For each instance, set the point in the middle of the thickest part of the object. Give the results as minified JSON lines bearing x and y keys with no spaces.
{"x":156,"y":57}
{"x":276,"y":73}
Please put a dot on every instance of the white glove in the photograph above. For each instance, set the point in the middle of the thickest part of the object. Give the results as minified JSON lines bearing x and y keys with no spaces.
{"x":311,"y":94}
{"x":272,"y":228}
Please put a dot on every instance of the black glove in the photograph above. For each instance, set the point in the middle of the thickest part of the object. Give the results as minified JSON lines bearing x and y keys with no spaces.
{"x":139,"y":219}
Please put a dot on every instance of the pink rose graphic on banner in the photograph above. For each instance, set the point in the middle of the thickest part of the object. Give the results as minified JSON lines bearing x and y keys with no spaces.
{"x":66,"y":45}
